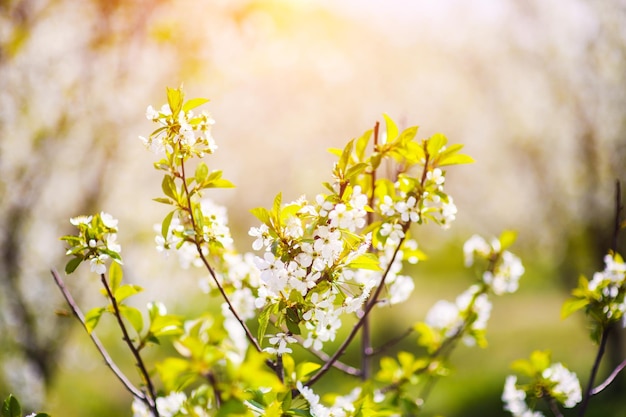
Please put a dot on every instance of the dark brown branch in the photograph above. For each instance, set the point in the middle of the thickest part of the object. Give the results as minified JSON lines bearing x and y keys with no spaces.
{"x":208,"y":266}
{"x":140,"y":364}
{"x":594,"y":371}
{"x":96,"y":341}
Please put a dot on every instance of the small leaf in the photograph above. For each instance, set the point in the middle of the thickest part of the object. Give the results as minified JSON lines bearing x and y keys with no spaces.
{"x":133,"y":316}
{"x":126,"y":291}
{"x":435,"y":143}
{"x":163,"y":200}
{"x":573,"y":305}
{"x":115,"y":276}
{"x":193,"y":103}
{"x":367,"y":261}
{"x":93,"y":317}
{"x":165,"y":226}
{"x":507,"y":238}
{"x":11,"y":407}
{"x":73,"y":264}
{"x":262,"y":214}
{"x":361,"y":145}
{"x":202,"y":172}
{"x":220,"y":183}
{"x":392,"y":128}
{"x":174,"y":100}
{"x":169,"y":188}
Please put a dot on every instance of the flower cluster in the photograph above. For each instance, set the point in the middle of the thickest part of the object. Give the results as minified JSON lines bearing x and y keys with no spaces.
{"x":177,"y":235}
{"x":469,"y":315}
{"x":609,"y":287}
{"x":96,"y":242}
{"x":504,"y":269}
{"x":182,"y":132}
{"x":174,"y":404}
{"x":309,"y":249}
{"x":555,"y":381}
{"x":342,"y":407}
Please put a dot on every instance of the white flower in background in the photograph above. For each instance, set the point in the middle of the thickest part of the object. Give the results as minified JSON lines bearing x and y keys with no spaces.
{"x":80,"y":220}
{"x":567,"y":384}
{"x":170,"y":405}
{"x":400,"y":290}
{"x":316,"y":408}
{"x":515,"y":400}
{"x":475,"y":245}
{"x":505,"y":278}
{"x":444,"y":315}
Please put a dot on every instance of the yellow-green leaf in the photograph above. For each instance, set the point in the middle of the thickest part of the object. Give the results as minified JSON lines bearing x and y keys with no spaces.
{"x":93,"y":317}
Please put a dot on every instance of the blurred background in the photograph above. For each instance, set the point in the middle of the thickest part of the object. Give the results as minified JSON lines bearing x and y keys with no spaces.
{"x":535,"y":89}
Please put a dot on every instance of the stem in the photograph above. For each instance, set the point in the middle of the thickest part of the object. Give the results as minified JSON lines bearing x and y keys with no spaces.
{"x":208,"y":266}
{"x":610,"y":379}
{"x":323,"y":356}
{"x":216,"y":391}
{"x":142,"y":367}
{"x":618,"y":215}
{"x":96,"y":341}
{"x":554,"y":407}
{"x":390,"y":343}
{"x":594,"y":371}
{"x":366,"y":338}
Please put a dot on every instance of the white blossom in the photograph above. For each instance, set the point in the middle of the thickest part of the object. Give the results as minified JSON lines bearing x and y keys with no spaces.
{"x":567,"y":384}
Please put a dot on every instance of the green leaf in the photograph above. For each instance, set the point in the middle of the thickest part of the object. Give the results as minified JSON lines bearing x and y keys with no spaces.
{"x":435,"y":143}
{"x":193,"y":103}
{"x":573,"y":305}
{"x":163,"y":200}
{"x":507,"y":238}
{"x":165,"y":226}
{"x":361,"y":145}
{"x":169,"y":187}
{"x":220,"y":183}
{"x":367,"y":261}
{"x":133,"y":316}
{"x":73,"y":264}
{"x":262,"y":214}
{"x":175,"y":100}
{"x":126,"y":291}
{"x":342,"y":165}
{"x":11,"y":407}
{"x":115,"y":276}
{"x":392,"y":128}
{"x":93,"y":317}
{"x":306,"y":368}
{"x":202,"y":172}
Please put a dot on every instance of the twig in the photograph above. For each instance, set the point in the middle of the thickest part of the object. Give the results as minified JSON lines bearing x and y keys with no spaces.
{"x":366,"y":338}
{"x":554,"y":407}
{"x":323,"y":356}
{"x":594,"y":372}
{"x":390,"y":343}
{"x":103,"y":352}
{"x":208,"y":266}
{"x":610,"y":379}
{"x":140,"y":364}
{"x":618,"y":215}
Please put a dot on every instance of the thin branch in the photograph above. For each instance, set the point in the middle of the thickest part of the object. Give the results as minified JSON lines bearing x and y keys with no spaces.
{"x":554,"y":407}
{"x":103,"y":352}
{"x":140,"y":364}
{"x":208,"y":266}
{"x":366,"y":338}
{"x":618,"y":215}
{"x":390,"y":343}
{"x":610,"y":379}
{"x":323,"y":356}
{"x":594,"y":372}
